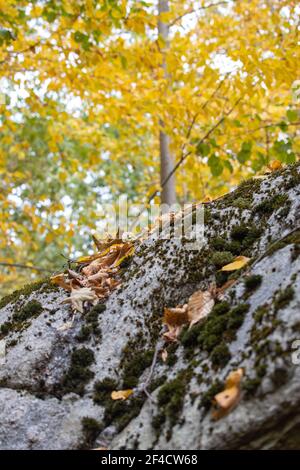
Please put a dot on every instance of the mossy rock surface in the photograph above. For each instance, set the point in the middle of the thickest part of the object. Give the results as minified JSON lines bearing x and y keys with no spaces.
{"x":56,"y":382}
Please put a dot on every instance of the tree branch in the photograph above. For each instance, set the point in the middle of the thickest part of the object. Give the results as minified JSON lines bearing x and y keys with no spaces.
{"x":195,"y":10}
{"x":24,"y":266}
{"x":209,"y":132}
{"x":184,"y":157}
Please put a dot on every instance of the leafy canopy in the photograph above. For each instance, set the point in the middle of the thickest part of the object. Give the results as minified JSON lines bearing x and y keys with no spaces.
{"x":84,"y":93}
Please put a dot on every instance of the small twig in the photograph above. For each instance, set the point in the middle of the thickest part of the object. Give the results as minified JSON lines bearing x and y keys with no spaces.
{"x":195,"y":10}
{"x":145,"y":385}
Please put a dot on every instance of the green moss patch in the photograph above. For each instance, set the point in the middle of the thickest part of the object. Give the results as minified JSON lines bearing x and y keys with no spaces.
{"x":90,"y":429}
{"x":208,"y":396}
{"x":103,"y":389}
{"x":21,"y":318}
{"x":78,"y":374}
{"x":220,"y":355}
{"x":44,"y":285}
{"x":170,"y":399}
{"x":92,"y":324}
{"x":120,"y":413}
{"x":252,"y":282}
{"x":284,"y":298}
{"x":135,"y":366}
{"x":268,"y":206}
{"x":212,"y":335}
{"x":221,"y":258}
{"x":260,"y":313}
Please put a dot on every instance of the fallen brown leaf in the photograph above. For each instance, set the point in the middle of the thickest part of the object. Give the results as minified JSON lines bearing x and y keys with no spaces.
{"x":200,"y":305}
{"x":79,"y":296}
{"x":175,"y":316}
{"x":61,"y":281}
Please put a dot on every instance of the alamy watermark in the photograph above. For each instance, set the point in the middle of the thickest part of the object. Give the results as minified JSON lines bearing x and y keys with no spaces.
{"x":157,"y":221}
{"x":296,"y":92}
{"x":296,"y":352}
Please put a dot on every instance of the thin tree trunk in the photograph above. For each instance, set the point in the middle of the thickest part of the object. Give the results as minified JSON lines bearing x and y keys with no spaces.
{"x":168,"y":195}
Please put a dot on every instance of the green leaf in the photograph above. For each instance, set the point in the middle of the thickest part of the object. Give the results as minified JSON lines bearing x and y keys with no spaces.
{"x":283,"y":126}
{"x":203,"y":149}
{"x":214,"y":143}
{"x":292,"y":115}
{"x":290,"y":158}
{"x":259,"y":162}
{"x":215,"y":165}
{"x":281,"y":149}
{"x":123,"y":61}
{"x":227,"y":164}
{"x":245,"y":153}
{"x":82,"y":39}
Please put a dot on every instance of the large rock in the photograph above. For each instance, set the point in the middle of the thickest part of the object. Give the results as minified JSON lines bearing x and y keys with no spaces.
{"x":56,"y":381}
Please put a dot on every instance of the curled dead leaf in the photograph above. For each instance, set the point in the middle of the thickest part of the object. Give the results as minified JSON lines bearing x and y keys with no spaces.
{"x":175,"y":316}
{"x":200,"y":305}
{"x":61,"y":281}
{"x":238,"y":263}
{"x":121,"y":394}
{"x":79,"y":296}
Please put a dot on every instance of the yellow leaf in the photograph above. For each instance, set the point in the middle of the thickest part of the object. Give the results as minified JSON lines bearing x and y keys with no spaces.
{"x":121,"y":258}
{"x":121,"y":394}
{"x":225,"y":401}
{"x":275,"y":165}
{"x":238,"y":263}
{"x":207,"y":199}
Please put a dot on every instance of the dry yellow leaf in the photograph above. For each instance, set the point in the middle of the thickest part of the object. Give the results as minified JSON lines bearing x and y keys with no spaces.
{"x":238,"y":263}
{"x":275,"y":165}
{"x":225,"y":401}
{"x":121,"y":394}
{"x":200,"y":305}
{"x":124,"y":253}
{"x":234,"y":378}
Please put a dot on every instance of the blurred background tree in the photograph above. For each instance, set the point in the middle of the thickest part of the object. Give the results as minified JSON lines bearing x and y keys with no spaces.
{"x":88,"y":86}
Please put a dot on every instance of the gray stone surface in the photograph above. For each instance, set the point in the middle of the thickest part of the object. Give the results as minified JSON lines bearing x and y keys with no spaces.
{"x":36,"y":412}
